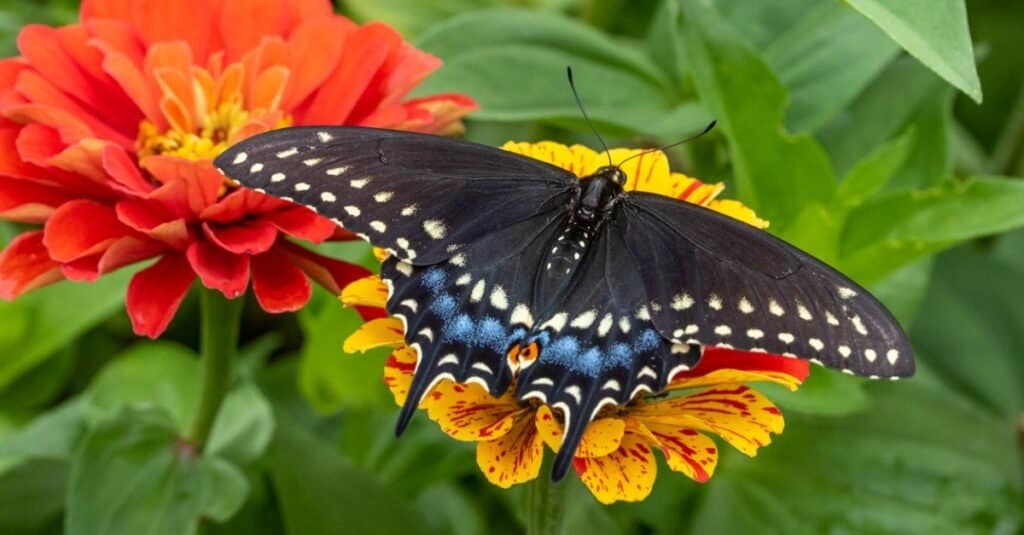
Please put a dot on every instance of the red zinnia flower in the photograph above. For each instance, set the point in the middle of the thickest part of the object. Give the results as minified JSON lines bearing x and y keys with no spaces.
{"x":108,"y":126}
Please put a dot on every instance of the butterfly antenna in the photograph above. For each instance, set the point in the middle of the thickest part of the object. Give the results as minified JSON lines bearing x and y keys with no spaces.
{"x":707,"y":129}
{"x":572,"y":85}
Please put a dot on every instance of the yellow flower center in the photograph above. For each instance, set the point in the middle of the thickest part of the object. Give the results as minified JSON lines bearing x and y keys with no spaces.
{"x":215,"y":133}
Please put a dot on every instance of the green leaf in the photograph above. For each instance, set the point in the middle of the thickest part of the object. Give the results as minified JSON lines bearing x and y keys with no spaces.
{"x":411,"y":17}
{"x":160,"y":374}
{"x":872,"y":173}
{"x":133,"y":475}
{"x":513,"y":63}
{"x":969,"y":328}
{"x":328,"y":377}
{"x":824,"y":60}
{"x":919,"y":461}
{"x":321,"y":492}
{"x":51,"y":435}
{"x":824,"y":392}
{"x":895,"y":229}
{"x":933,"y":31}
{"x":50,"y":318}
{"x":929,"y":160}
{"x":32,"y":497}
{"x":168,"y":376}
{"x":776,"y":173}
{"x":872,"y":120}
{"x":244,"y":426}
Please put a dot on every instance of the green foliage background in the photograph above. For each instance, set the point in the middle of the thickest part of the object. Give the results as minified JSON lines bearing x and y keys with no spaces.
{"x":857,"y":127}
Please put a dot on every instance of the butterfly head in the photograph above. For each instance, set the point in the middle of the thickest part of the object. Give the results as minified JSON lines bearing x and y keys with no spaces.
{"x":611,"y":173}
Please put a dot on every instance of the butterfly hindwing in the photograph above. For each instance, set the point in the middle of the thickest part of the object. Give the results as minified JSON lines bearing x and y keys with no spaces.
{"x":598,"y":347}
{"x":462,"y":315}
{"x":419,"y":196}
{"x":722,"y":282}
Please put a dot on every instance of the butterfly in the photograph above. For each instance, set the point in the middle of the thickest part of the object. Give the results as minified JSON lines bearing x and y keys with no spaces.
{"x":505,"y":269}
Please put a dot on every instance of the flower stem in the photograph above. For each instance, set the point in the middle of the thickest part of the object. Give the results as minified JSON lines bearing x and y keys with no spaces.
{"x":545,"y":504}
{"x":219,"y":323}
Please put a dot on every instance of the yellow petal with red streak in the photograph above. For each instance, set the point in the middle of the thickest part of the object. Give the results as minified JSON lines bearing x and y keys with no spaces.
{"x":468,"y":412}
{"x":601,"y":437}
{"x":367,"y":291}
{"x":737,"y":413}
{"x":685,"y":449}
{"x":398,"y":372}
{"x":514,"y":458}
{"x":625,"y":475}
{"x":376,"y":333}
{"x":732,"y":376}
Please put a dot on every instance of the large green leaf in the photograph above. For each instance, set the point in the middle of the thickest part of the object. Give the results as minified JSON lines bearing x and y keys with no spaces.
{"x":513,"y":63}
{"x":824,"y":60}
{"x":920,"y":461}
{"x":41,"y":322}
{"x":872,"y":120}
{"x":133,"y":475}
{"x":321,"y":492}
{"x":32,"y":497}
{"x":776,"y":173}
{"x":168,"y":376}
{"x":895,"y":229}
{"x":933,"y":31}
{"x":970,"y":328}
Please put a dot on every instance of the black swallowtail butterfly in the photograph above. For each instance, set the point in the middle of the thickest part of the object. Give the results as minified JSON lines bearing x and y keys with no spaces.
{"x":503,"y":267}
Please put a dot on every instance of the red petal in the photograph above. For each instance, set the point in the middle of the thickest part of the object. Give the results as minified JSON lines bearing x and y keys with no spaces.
{"x":25,"y":265}
{"x":189,"y":20}
{"x":365,"y":51}
{"x":332,"y":274}
{"x":82,"y":228}
{"x":240,"y":204}
{"x":155,"y":294}
{"x":112,"y":9}
{"x":204,"y":181}
{"x":243,"y":23}
{"x":716,"y":358}
{"x":28,"y":202}
{"x":121,"y":253}
{"x":155,"y":220}
{"x":124,"y":172}
{"x":279,"y":285}
{"x":247,"y":237}
{"x":303,"y":223}
{"x":219,"y":269}
{"x":316,"y":48}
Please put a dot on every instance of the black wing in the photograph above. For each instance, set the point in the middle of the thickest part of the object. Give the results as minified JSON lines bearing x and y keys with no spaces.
{"x":461,"y":316}
{"x":599,"y":347}
{"x":422,"y":197}
{"x":713,"y":280}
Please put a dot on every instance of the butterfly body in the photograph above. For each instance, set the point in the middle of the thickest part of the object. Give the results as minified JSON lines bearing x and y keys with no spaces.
{"x":507,"y":270}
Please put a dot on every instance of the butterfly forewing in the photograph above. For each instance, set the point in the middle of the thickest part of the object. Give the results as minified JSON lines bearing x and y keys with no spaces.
{"x":722,"y":282}
{"x":421,"y":197}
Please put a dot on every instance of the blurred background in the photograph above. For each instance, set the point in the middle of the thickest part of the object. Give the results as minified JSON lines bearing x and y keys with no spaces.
{"x":888,"y":165}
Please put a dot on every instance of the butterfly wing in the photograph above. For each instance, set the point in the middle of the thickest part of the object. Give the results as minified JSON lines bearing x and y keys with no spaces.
{"x":420,"y":196}
{"x":713,"y":280}
{"x":461,"y":316}
{"x":598,"y":346}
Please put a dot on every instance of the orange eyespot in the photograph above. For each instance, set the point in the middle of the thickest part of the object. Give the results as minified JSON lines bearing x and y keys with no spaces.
{"x":529,"y":354}
{"x":513,"y":356}
{"x":519,"y":356}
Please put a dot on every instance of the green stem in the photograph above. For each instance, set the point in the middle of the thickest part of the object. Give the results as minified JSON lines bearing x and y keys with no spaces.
{"x":545,"y":504}
{"x":219,"y":322}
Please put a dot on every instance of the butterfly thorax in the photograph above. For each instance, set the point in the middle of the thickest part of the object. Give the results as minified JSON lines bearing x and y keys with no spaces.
{"x":592,"y":205}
